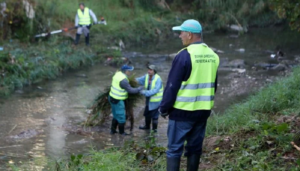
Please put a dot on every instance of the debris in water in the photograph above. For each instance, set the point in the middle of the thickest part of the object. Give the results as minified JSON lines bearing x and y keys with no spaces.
{"x":240,"y":50}
{"x":81,"y":75}
{"x":83,"y":141}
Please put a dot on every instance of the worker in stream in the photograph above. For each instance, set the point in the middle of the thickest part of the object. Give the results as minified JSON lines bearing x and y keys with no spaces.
{"x":83,"y":23}
{"x":189,"y":96}
{"x":153,"y":93}
{"x":119,"y":90}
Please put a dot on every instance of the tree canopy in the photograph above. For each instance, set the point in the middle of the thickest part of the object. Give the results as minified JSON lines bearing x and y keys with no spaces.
{"x":288,"y":9}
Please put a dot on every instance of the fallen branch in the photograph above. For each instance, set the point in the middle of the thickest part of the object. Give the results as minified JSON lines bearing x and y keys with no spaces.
{"x":12,"y":129}
{"x":295,"y":146}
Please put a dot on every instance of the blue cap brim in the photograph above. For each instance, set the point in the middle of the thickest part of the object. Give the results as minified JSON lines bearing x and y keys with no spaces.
{"x":131,"y":69}
{"x":177,"y":28}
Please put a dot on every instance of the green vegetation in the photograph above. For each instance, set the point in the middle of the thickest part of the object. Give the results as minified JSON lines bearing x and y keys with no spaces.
{"x":23,"y":65}
{"x":132,"y":156}
{"x":145,"y":155}
{"x":217,"y":14}
{"x":288,"y":9}
{"x":259,"y":130}
{"x":139,"y":21}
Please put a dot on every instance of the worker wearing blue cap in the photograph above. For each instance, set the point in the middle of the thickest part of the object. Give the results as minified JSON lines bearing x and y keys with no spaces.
{"x":189,"y":96}
{"x":119,"y":90}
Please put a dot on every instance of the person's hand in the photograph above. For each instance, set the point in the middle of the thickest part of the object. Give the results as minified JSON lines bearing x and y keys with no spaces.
{"x":164,"y":115}
{"x":95,"y":22}
{"x":143,"y":92}
{"x":76,"y":27}
{"x":141,"y":88}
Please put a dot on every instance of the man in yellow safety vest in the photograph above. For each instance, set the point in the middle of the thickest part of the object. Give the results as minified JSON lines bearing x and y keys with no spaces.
{"x":189,"y":96}
{"x":119,"y":90}
{"x":153,"y":93}
{"x":83,"y":23}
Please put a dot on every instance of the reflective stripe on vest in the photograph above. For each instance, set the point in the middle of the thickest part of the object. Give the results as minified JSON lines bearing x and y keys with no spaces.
{"x":198,"y":92}
{"x":115,"y":90}
{"x":158,"y":96}
{"x":84,"y":18}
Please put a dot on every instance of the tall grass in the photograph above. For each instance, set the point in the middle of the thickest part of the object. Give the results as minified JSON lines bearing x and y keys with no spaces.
{"x":40,"y":62}
{"x":282,"y":97}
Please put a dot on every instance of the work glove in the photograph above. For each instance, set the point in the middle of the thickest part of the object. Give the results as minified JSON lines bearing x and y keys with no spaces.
{"x":76,"y":27}
{"x":164,"y":115}
{"x":95,"y":22}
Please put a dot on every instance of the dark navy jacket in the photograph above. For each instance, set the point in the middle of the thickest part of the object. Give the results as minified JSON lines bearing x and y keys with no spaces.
{"x":180,"y":71}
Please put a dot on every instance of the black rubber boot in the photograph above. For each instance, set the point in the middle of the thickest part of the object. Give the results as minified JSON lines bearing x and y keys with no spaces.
{"x":87,"y":40}
{"x":114,"y":124}
{"x":121,"y":129}
{"x":147,"y":123}
{"x":173,"y":164}
{"x":77,"y":39}
{"x":154,"y":125}
{"x":193,"y":162}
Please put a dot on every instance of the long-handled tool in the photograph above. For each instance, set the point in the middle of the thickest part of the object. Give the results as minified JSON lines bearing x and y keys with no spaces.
{"x":103,"y":21}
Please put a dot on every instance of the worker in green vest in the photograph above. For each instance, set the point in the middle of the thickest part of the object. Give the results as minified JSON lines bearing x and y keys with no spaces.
{"x":119,"y":90}
{"x":153,"y":93}
{"x":189,"y":96}
{"x":83,"y":23}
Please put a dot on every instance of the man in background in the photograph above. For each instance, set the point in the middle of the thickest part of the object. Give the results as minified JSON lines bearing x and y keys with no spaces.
{"x":83,"y":23}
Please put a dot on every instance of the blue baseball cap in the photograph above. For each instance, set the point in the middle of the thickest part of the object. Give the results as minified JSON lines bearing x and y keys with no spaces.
{"x":127,"y":68}
{"x":190,"y":25}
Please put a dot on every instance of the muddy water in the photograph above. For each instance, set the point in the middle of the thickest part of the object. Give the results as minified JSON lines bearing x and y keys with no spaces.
{"x":47,"y":114}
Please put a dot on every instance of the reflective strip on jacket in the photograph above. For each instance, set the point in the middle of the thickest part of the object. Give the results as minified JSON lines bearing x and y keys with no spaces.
{"x":198,"y":92}
{"x":84,"y":18}
{"x":158,"y":96}
{"x":115,"y":90}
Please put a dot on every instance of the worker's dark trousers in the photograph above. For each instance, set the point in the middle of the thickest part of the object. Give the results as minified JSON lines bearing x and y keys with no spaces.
{"x":151,"y":115}
{"x":87,"y":39}
{"x":180,"y":131}
{"x":77,"y":39}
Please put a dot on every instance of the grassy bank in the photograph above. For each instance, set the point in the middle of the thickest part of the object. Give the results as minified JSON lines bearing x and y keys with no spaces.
{"x":140,"y":21}
{"x":26,"y":64}
{"x":257,"y":134}
{"x":252,"y":135}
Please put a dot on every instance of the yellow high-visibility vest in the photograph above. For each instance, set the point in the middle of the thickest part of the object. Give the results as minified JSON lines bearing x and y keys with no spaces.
{"x":115,"y":90}
{"x":198,"y":92}
{"x":84,"y":17}
{"x":158,"y":96}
